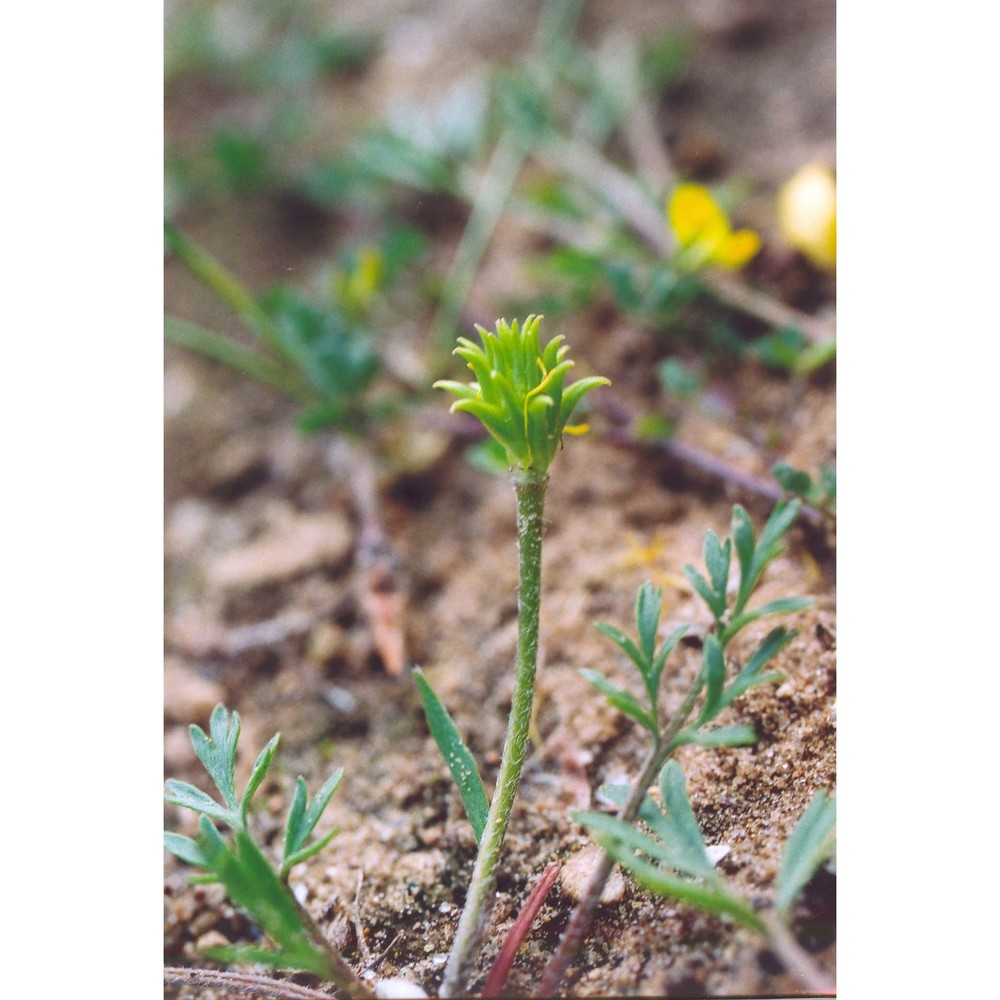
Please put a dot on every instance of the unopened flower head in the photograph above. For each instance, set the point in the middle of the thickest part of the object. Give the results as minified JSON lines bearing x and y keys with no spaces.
{"x":520,"y":395}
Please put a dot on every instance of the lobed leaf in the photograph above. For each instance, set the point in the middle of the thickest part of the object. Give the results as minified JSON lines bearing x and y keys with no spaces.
{"x":257,"y":774}
{"x":217,"y":752}
{"x":180,"y":793}
{"x":780,"y":606}
{"x":626,"y":645}
{"x":302,"y":820}
{"x":714,"y":671}
{"x":717,"y":563}
{"x":647,"y":617}
{"x":456,"y":755}
{"x":681,"y":828}
{"x":722,"y":736}
{"x":665,"y":650}
{"x":750,"y":675}
{"x":712,"y":897}
{"x":716,"y":602}
{"x":621,"y":700}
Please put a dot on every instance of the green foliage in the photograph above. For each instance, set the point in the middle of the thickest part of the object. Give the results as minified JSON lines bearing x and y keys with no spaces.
{"x":456,"y":755}
{"x":647,"y":659}
{"x":812,"y":842}
{"x":252,"y":885}
{"x":671,"y":859}
{"x":324,"y":358}
{"x":519,"y":393}
{"x":753,"y":558}
{"x":821,"y":493}
{"x":247,"y":875}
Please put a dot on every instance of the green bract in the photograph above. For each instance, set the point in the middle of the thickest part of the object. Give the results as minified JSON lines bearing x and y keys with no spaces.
{"x":520,"y":395}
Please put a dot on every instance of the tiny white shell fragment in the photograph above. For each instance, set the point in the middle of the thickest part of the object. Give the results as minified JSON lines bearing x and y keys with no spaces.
{"x":393,"y":988}
{"x":717,"y":852}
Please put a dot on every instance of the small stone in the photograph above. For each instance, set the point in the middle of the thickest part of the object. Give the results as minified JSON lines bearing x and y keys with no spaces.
{"x":576,"y":874}
{"x":306,"y":542}
{"x":397,"y":989}
{"x":212,"y":939}
{"x":188,"y":697}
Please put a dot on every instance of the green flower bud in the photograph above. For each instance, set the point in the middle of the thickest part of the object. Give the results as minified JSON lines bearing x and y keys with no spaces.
{"x":519,"y":394}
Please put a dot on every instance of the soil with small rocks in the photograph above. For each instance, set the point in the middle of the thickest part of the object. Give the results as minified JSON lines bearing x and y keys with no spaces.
{"x":265,"y":604}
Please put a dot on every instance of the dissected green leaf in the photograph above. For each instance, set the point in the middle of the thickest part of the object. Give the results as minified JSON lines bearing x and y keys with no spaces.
{"x":625,"y":644}
{"x":456,"y":755}
{"x":257,"y":774}
{"x":253,"y":885}
{"x":793,"y":480}
{"x":218,"y":752}
{"x":302,"y":821}
{"x":661,"y":658}
{"x":681,"y":826}
{"x":180,"y":793}
{"x":716,"y":602}
{"x":723,"y":736}
{"x":812,"y":842}
{"x":621,"y":700}
{"x":781,"y":606}
{"x":712,"y":897}
{"x":750,"y":676}
{"x":647,"y":616}
{"x":745,"y":542}
{"x":185,"y":849}
{"x":717,"y":563}
{"x":714,"y":671}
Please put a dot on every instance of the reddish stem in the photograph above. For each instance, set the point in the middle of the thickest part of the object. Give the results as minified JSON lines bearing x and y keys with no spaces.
{"x":519,"y":931}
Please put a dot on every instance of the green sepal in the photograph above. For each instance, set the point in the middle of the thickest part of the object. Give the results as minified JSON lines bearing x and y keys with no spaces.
{"x":456,"y":755}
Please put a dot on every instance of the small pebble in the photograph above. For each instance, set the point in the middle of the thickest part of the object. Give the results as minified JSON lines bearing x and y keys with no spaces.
{"x":576,"y":873}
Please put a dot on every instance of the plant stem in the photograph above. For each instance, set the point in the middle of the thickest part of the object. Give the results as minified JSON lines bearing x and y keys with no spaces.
{"x":245,"y":984}
{"x":795,"y":958}
{"x":583,"y":914}
{"x":529,"y":487}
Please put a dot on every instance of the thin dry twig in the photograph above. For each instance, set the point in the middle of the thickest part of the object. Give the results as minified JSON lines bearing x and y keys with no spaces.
{"x":243,"y":984}
{"x":795,"y":958}
{"x":384,"y":591}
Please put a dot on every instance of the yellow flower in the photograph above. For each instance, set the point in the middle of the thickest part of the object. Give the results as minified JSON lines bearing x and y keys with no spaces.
{"x":703,"y":231}
{"x":807,"y":214}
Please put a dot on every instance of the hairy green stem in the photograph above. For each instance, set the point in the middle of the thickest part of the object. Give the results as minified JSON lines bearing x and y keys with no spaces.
{"x":584,"y":912}
{"x":529,"y":486}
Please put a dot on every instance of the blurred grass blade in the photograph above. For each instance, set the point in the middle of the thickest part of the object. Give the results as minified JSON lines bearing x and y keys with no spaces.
{"x":231,"y":354}
{"x":456,"y":755}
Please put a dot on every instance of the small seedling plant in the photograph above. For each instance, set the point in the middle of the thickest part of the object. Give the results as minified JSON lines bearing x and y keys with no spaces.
{"x":521,"y":397}
{"x":672,"y":859}
{"x":241,"y":865}
{"x":709,"y":694}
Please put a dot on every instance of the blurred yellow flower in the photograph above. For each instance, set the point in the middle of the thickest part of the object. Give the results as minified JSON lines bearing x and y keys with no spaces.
{"x":807,"y":214}
{"x":703,"y":231}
